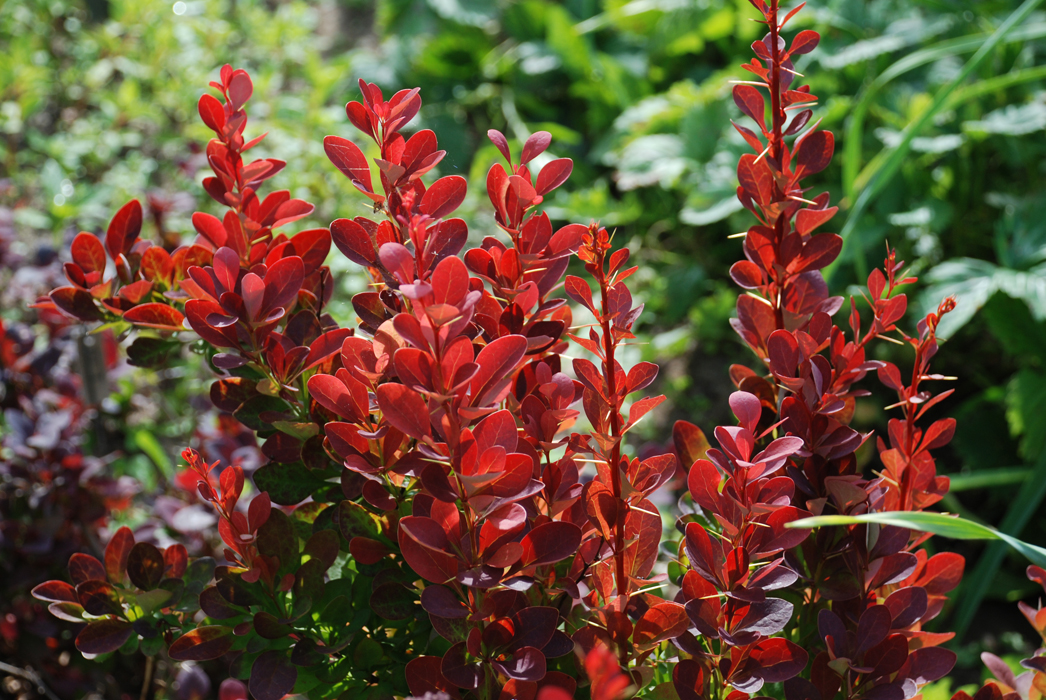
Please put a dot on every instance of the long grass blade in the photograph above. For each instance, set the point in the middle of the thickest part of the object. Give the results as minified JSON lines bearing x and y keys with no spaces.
{"x":890,"y":159}
{"x":978,"y":582}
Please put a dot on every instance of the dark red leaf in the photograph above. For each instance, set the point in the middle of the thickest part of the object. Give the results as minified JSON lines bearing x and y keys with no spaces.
{"x":272,"y":676}
{"x":353,"y":242}
{"x":145,"y":566}
{"x":424,"y":676}
{"x":779,"y":659}
{"x":76,"y":302}
{"x":202,"y":644}
{"x":751,"y":102}
{"x":425,"y":548}
{"x":124,"y":229}
{"x":815,"y":153}
{"x":103,"y":636}
{"x":660,"y":622}
{"x":84,"y":567}
{"x":804,"y":42}
{"x":56,"y":592}
{"x":927,"y":664}
{"x":549,"y":543}
{"x":116,"y":553}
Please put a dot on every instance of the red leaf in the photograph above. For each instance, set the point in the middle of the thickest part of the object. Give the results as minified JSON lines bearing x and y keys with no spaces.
{"x":690,"y":442}
{"x":145,"y":566}
{"x":444,"y":196}
{"x":779,"y":659}
{"x":326,"y":345}
{"x":212,"y":113}
{"x":755,"y":178}
{"x":942,"y":573}
{"x":554,"y":174}
{"x":240,"y":89}
{"x":927,"y":665}
{"x":175,"y":561}
{"x":349,"y":159}
{"x":116,"y":553}
{"x":342,"y":396}
{"x":747,"y":408}
{"x":939,"y":434}
{"x":807,"y":220}
{"x":424,"y":676}
{"x":689,"y":680}
{"x":353,"y":242}
{"x":157,"y":265}
{"x":103,"y":636}
{"x":56,"y":592}
{"x":272,"y":676}
{"x":88,"y":253}
{"x":642,"y":407}
{"x":814,"y":153}
{"x":804,"y":42}
{"x":291,"y":210}
{"x":367,"y":551}
{"x":202,"y":644}
{"x":496,"y":362}
{"x":84,"y":567}
{"x":537,"y":144}
{"x":98,"y":598}
{"x":156,"y":315}
{"x":424,"y":546}
{"x":549,"y":543}
{"x":501,"y":143}
{"x":124,"y":229}
{"x":641,"y":376}
{"x":818,"y":253}
{"x":660,"y":622}
{"x":404,"y":409}
{"x":747,"y":274}
{"x":211,"y":228}
{"x":76,"y":302}
{"x":751,"y":102}
{"x":579,"y":291}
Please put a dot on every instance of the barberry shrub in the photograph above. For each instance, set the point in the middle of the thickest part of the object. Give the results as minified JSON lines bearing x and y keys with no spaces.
{"x":427,"y":521}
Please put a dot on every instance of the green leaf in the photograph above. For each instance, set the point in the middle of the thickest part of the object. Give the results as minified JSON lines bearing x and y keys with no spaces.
{"x":250,"y":412}
{"x":936,"y":523}
{"x":288,"y":484}
{"x":151,"y":352}
{"x":882,"y":168}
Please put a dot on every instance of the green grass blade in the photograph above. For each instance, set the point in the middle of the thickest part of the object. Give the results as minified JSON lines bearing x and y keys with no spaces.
{"x":890,"y":159}
{"x":916,"y":59}
{"x":990,"y":478}
{"x":978,"y":582}
{"x":936,"y":523}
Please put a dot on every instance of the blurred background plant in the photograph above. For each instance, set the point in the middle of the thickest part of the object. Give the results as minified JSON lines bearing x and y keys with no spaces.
{"x":939,"y":108}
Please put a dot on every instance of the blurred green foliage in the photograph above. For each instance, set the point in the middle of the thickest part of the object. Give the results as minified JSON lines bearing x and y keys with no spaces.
{"x":97,"y":106}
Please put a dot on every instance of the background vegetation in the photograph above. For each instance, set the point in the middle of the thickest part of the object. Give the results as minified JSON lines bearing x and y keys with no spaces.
{"x":939,"y":108}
